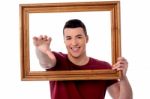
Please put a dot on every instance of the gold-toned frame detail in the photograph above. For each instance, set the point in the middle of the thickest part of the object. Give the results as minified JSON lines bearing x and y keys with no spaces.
{"x":26,"y":9}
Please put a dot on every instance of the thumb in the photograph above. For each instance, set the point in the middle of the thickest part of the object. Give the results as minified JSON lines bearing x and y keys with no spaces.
{"x":35,"y":40}
{"x":49,"y":39}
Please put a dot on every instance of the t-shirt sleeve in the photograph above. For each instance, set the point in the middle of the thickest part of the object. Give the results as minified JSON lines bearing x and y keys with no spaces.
{"x":60,"y":58}
{"x":111,"y":82}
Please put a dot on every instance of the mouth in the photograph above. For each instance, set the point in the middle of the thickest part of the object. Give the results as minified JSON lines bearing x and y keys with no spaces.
{"x":75,"y":49}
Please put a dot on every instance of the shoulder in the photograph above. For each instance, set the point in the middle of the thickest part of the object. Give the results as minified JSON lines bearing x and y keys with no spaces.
{"x":100,"y":63}
{"x":61,"y":60}
{"x":59,"y":54}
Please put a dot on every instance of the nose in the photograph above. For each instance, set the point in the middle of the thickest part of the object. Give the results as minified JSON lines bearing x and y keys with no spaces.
{"x":74,"y":42}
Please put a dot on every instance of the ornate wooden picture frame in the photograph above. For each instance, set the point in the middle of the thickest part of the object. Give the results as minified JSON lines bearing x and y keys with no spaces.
{"x":26,"y":9}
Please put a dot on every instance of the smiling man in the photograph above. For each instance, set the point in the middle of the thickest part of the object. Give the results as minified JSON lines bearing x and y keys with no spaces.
{"x":75,"y":39}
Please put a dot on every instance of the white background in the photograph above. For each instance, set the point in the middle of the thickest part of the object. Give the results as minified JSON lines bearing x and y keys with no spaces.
{"x":98,"y":24}
{"x":135,"y":22}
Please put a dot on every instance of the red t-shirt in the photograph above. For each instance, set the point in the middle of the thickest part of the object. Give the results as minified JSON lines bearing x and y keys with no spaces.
{"x":79,"y":89}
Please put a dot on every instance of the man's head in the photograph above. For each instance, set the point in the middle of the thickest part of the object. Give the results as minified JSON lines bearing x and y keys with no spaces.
{"x":74,"y":23}
{"x":75,"y":38}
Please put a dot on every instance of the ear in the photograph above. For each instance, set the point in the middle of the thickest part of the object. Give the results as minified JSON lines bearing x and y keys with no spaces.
{"x":87,"y":38}
{"x":64,"y":38}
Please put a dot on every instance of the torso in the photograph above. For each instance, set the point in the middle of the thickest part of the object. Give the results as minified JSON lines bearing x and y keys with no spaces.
{"x":87,"y":89}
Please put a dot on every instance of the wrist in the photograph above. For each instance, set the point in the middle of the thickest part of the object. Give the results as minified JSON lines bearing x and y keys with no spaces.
{"x":123,"y":78}
{"x":47,"y":51}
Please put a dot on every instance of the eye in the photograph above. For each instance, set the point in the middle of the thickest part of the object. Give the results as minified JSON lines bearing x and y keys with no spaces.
{"x":68,"y":38}
{"x":80,"y":37}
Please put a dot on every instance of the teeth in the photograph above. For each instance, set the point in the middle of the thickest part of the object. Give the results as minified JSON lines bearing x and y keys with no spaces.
{"x":75,"y":48}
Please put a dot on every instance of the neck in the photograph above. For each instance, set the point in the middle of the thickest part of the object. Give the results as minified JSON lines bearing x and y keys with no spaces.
{"x":80,"y":61}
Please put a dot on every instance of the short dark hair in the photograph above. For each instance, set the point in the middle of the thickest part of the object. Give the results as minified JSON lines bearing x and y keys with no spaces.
{"x":74,"y":23}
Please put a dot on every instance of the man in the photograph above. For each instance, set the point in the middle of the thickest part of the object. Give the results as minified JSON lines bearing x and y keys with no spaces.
{"x":75,"y":39}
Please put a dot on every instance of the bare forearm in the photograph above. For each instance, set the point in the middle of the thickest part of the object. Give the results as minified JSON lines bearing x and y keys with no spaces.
{"x":47,"y":60}
{"x":122,"y":89}
{"x":125,"y":89}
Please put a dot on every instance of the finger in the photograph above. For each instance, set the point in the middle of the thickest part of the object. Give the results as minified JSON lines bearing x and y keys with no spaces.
{"x":41,"y":37}
{"x":49,"y":39}
{"x":119,"y":69}
{"x":45,"y":37}
{"x":115,"y":67}
{"x":35,"y":38}
{"x":121,"y":59}
{"x":118,"y":65}
{"x":35,"y":41}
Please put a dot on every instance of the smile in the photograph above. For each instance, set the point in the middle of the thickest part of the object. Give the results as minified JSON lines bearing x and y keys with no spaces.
{"x":75,"y":49}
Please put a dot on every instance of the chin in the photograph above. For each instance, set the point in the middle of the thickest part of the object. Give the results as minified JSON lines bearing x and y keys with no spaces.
{"x":75,"y":55}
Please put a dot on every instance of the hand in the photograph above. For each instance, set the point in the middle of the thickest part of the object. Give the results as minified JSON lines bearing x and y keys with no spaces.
{"x":121,"y":64}
{"x":42,"y":43}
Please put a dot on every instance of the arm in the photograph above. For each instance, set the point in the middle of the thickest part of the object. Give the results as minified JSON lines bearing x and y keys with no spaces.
{"x":122,"y":89}
{"x":46,"y":58}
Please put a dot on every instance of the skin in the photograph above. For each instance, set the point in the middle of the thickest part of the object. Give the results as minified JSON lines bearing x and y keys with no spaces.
{"x":42,"y":44}
{"x":121,"y":89}
{"x":75,"y":41}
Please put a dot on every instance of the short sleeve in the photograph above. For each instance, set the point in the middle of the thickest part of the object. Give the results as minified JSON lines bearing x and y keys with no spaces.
{"x":60,"y":61}
{"x":111,"y":82}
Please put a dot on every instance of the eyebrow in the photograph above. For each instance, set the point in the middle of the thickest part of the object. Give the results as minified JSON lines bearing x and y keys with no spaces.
{"x":75,"y":36}
{"x":79,"y":35}
{"x":67,"y":36}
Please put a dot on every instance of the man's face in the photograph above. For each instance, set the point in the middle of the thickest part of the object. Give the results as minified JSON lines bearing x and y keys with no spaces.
{"x":75,"y":41}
